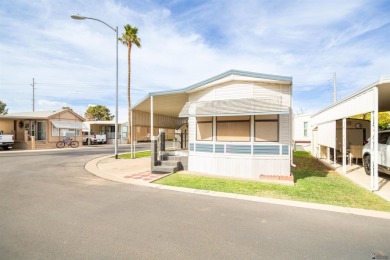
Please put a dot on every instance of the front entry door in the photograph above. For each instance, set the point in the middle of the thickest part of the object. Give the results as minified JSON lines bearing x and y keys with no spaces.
{"x":41,"y":131}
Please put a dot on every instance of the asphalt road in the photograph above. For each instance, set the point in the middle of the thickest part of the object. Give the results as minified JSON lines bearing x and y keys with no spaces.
{"x":52,"y":208}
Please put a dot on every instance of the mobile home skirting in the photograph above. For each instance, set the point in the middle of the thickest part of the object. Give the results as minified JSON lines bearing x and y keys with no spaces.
{"x":239,"y":166}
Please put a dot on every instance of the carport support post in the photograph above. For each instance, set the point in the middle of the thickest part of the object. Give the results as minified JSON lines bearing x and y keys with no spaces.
{"x":344,"y":146}
{"x":151,"y":119}
{"x":374,"y":143}
{"x":153,"y":142}
{"x":328,"y":153}
{"x":132,"y":147}
{"x":335,"y":150}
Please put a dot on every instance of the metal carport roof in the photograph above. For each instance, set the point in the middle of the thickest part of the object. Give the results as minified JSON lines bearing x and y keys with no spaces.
{"x":371,"y":99}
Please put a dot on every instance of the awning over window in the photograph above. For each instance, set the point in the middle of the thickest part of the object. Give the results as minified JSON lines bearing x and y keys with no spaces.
{"x":69,"y":125}
{"x":227,"y":107}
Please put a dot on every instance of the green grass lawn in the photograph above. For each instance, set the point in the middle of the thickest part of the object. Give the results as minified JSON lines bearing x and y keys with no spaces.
{"x":314,"y":182}
{"x":137,"y":155}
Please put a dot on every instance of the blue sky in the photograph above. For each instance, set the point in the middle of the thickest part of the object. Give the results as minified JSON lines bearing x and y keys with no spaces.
{"x":184,"y":42}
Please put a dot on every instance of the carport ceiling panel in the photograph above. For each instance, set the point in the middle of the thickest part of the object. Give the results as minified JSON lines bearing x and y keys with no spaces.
{"x":384,"y":97}
{"x":144,"y":106}
{"x":170,"y":105}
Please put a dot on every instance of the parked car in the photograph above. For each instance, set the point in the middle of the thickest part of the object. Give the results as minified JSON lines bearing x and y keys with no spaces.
{"x":383,"y":153}
{"x":93,"y":138}
{"x":6,"y":141}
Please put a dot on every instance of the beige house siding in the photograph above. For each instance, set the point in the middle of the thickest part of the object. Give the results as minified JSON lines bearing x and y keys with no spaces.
{"x":21,"y":126}
{"x":7,"y":126}
{"x":141,"y":122}
{"x":237,"y":89}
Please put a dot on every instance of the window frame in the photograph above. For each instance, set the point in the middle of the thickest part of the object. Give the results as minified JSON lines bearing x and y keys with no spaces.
{"x":77,"y":132}
{"x":277,"y":120}
{"x":204,"y":122}
{"x":233,"y":121}
{"x":305,"y":128}
{"x":382,"y":136}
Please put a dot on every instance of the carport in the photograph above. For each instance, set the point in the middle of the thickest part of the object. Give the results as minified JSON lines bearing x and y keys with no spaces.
{"x":372,"y":99}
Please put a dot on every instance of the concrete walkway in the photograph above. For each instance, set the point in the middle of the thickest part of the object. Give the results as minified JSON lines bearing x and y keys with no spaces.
{"x":137,"y":172}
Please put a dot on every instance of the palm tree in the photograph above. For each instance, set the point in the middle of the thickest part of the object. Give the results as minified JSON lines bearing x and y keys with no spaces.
{"x":129,"y":37}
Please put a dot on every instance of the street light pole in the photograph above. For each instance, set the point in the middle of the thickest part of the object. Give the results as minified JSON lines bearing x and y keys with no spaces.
{"x":78,"y":17}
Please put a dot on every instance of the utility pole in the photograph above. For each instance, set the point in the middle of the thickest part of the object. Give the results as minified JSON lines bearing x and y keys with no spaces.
{"x":334,"y":89}
{"x":33,"y":99}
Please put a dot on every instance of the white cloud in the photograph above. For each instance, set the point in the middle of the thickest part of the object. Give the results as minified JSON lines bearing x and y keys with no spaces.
{"x":73,"y":62}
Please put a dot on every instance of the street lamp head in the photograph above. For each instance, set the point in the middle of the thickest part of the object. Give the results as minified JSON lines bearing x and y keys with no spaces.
{"x":78,"y":17}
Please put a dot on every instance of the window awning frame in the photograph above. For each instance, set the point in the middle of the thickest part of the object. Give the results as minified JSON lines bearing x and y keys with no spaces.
{"x":69,"y":125}
{"x":234,"y":107}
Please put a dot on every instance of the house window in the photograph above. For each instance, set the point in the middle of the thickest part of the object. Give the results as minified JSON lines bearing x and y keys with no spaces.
{"x":266,"y":128}
{"x":124,"y":131}
{"x":305,"y":129}
{"x":64,"y":132}
{"x":233,"y":128}
{"x":204,"y":128}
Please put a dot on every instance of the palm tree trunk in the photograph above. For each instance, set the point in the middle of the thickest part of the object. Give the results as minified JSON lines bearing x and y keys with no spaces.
{"x":129,"y":134}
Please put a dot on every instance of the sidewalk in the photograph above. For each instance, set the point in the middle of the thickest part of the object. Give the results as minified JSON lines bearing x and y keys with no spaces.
{"x":137,"y":172}
{"x":133,"y":171}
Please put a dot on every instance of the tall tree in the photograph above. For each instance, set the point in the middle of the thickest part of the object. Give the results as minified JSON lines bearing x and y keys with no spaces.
{"x":129,"y":37}
{"x":98,"y":113}
{"x":3,"y":108}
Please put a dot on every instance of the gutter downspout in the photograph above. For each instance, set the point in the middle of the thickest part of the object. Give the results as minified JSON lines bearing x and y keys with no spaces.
{"x":291,"y":130}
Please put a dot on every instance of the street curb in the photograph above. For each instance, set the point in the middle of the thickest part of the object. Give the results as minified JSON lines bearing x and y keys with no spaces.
{"x":92,"y":167}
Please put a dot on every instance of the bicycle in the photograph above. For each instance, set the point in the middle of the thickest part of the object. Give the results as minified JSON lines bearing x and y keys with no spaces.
{"x":69,"y":142}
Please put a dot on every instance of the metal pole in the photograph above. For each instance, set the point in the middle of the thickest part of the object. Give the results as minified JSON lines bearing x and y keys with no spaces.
{"x":33,"y":99}
{"x":132,"y":148}
{"x":374,"y":141}
{"x":151,"y":119}
{"x":116,"y":98}
{"x":345,"y":145}
{"x":79,"y":17}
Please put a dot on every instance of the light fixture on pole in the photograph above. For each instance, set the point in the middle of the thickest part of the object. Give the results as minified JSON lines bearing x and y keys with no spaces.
{"x":78,"y":17}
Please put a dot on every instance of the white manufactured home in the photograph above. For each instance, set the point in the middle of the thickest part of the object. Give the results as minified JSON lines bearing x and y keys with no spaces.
{"x":235,"y":124}
{"x":302,"y":132}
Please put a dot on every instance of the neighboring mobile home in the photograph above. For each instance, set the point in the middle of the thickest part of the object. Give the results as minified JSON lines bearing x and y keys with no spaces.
{"x":302,"y":132}
{"x":239,"y":123}
{"x":42,"y":129}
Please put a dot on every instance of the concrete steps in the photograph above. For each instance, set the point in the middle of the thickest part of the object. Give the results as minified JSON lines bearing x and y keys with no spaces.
{"x":164,"y":169}
{"x":171,"y":163}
